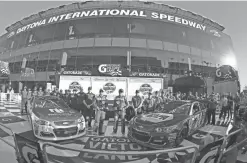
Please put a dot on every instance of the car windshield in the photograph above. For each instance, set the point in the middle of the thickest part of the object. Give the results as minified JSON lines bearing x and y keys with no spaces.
{"x":184,"y":109}
{"x":50,"y":103}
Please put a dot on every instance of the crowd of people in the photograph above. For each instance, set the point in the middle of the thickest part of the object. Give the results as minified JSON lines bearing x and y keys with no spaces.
{"x":96,"y":106}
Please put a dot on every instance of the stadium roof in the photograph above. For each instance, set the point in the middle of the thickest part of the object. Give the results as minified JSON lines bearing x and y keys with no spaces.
{"x":156,"y":6}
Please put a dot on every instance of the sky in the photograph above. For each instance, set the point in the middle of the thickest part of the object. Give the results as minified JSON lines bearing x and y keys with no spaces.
{"x":230,"y":14}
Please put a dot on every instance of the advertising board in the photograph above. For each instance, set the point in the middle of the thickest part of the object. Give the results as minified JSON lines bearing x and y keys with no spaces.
{"x":74,"y":82}
{"x":144,"y":85}
{"x":110,"y":85}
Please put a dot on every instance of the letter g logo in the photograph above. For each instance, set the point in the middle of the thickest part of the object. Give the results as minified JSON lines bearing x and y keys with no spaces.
{"x":102,"y":68}
{"x":218,"y":73}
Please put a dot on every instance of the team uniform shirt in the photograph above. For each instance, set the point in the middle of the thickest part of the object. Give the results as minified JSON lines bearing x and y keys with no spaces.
{"x":24,"y":94}
{"x":40,"y":93}
{"x":35,"y":93}
{"x":136,"y":101}
{"x":90,"y":99}
{"x":148,"y":103}
{"x":101,"y":102}
{"x":73,"y":99}
{"x":81,"y":97}
{"x":120,"y":102}
{"x":157,"y":100}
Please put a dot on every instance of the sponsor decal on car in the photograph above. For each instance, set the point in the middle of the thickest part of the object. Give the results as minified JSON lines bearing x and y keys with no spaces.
{"x":157,"y":117}
{"x":109,"y":88}
{"x":145,"y":89}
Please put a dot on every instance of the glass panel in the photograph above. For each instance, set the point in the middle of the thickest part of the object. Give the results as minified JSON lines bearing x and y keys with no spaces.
{"x":45,"y":34}
{"x":55,"y":57}
{"x":121,"y":27}
{"x":119,"y":60}
{"x":84,"y":62}
{"x":97,"y":60}
{"x":86,"y":27}
{"x":104,"y":27}
{"x":23,"y":38}
{"x":61,"y":31}
{"x":43,"y":61}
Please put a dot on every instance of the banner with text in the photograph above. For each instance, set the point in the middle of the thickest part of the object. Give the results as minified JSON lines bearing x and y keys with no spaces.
{"x":74,"y":82}
{"x":144,"y":85}
{"x":113,"y":150}
{"x":110,"y":85}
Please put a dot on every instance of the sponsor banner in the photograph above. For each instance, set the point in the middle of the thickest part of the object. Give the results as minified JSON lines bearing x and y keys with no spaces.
{"x":144,"y":85}
{"x":29,"y":150}
{"x":74,"y":82}
{"x":79,"y":73}
{"x":110,"y":69}
{"x":27,"y":73}
{"x":112,"y":150}
{"x":110,"y":85}
{"x":4,"y":68}
{"x":147,"y":74}
{"x":225,"y":73}
{"x":113,"y":12}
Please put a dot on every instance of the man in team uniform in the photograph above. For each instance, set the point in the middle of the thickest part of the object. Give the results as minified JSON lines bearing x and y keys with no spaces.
{"x":72,"y":99}
{"x":148,"y":103}
{"x":137,"y":103}
{"x":120,"y":104}
{"x":24,"y":100}
{"x":89,"y":102}
{"x":80,"y":104}
{"x":101,"y":108}
{"x":157,"y":100}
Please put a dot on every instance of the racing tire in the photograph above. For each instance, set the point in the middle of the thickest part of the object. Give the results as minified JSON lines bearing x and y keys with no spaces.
{"x":182,"y":134}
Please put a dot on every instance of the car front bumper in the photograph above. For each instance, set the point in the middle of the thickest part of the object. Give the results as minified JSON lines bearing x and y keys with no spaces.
{"x":152,"y":139}
{"x":59,"y":133}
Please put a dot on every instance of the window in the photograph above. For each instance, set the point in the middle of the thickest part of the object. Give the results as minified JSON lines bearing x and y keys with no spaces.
{"x":97,"y":60}
{"x":121,"y":27}
{"x":184,"y":109}
{"x":61,"y":31}
{"x":44,"y":34}
{"x":104,"y":27}
{"x":86,"y":27}
{"x":195,"y":108}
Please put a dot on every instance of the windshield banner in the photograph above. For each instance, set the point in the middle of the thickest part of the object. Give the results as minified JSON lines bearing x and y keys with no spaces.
{"x":113,"y":150}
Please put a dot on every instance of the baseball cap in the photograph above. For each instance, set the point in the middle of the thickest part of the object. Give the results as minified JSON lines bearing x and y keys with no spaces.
{"x":137,"y":91}
{"x":101,"y":90}
{"x":121,"y":91}
{"x":89,"y":88}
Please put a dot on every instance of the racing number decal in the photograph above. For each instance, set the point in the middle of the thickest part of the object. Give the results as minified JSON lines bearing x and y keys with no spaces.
{"x":56,"y":110}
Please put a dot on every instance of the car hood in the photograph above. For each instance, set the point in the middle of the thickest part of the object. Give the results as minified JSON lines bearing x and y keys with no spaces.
{"x":56,"y":114}
{"x":160,"y":119}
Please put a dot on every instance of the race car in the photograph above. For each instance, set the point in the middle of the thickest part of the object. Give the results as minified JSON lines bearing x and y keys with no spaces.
{"x":169,"y":126}
{"x":53,"y":120}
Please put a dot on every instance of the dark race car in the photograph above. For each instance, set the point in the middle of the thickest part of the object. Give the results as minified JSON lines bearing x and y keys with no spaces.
{"x":52,"y":119}
{"x":169,"y":126}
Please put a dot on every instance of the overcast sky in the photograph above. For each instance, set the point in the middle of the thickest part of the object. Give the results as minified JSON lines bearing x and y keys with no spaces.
{"x":232,"y":15}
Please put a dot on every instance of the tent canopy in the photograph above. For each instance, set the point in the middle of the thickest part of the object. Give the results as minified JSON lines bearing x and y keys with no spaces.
{"x":190,"y":82}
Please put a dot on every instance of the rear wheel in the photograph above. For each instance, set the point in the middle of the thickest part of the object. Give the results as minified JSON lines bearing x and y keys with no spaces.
{"x":182,"y":134}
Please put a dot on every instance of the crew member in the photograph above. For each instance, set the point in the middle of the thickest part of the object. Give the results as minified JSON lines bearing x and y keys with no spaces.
{"x":101,"y":108}
{"x":24,"y":99}
{"x":72,"y":99}
{"x":120,"y":104}
{"x":66,"y":97}
{"x":136,"y":107}
{"x":40,"y":92}
{"x":148,"y":103}
{"x":80,"y":104}
{"x":157,"y":100}
{"x":35,"y":92}
{"x":29,"y":97}
{"x":89,"y":102}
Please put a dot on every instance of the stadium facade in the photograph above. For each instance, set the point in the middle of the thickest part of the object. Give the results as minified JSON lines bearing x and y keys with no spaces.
{"x":142,"y":37}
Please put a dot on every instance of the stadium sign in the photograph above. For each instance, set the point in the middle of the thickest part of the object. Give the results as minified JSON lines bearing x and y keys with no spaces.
{"x":110,"y":69}
{"x":79,"y":73}
{"x":113,"y":12}
{"x":147,"y":74}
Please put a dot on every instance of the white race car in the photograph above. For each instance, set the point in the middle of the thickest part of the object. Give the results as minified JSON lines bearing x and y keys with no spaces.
{"x":53,"y":120}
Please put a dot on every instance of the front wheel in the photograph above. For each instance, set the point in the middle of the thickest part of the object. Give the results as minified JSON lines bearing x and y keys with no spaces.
{"x":182,"y":134}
